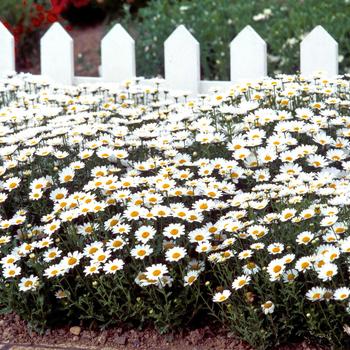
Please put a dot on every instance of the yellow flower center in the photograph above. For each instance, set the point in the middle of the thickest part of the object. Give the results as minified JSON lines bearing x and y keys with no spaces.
{"x":93,"y":250}
{"x":191,"y":279}
{"x":72,"y":261}
{"x":117,"y":244}
{"x":141,"y":252}
{"x":277,"y":269}
{"x":28,"y":283}
{"x":305,"y":265}
{"x":101,"y":257}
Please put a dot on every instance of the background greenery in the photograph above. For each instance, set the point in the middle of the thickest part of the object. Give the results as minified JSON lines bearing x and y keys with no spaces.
{"x":281,"y":23}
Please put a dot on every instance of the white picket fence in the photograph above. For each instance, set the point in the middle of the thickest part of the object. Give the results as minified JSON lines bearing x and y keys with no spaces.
{"x":318,"y":52}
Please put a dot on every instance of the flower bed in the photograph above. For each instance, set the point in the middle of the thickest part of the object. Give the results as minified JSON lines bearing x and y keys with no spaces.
{"x":138,"y":206}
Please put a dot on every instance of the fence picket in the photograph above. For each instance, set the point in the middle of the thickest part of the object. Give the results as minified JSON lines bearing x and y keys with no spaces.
{"x":182,"y":61}
{"x":117,"y":55}
{"x":7,"y":61}
{"x":318,"y":52}
{"x":248,"y":55}
{"x":57,"y":59}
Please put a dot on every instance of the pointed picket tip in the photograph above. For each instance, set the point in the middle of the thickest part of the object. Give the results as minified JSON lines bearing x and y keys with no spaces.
{"x":56,"y":31}
{"x":57,"y":56}
{"x":248,"y":55}
{"x":182,"y":60}
{"x":319,"y":33}
{"x":318,"y":52}
{"x":7,"y":59}
{"x":180,"y":35}
{"x":117,"y":55}
{"x":4,"y":32}
{"x":248,"y":33}
{"x":118,"y":33}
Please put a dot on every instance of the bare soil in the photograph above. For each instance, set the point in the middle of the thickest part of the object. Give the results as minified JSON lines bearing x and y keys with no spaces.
{"x":87,"y":42}
{"x":15,"y":335}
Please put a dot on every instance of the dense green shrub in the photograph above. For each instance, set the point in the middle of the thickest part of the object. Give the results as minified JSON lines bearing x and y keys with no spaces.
{"x":281,"y":23}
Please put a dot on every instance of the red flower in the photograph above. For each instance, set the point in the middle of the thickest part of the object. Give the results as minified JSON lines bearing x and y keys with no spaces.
{"x":40,"y":16}
{"x":80,"y":3}
{"x":51,"y":17}
{"x":36,"y":22}
{"x":7,"y":25}
{"x":39,"y":8}
{"x":58,"y":6}
{"x":18,"y":30}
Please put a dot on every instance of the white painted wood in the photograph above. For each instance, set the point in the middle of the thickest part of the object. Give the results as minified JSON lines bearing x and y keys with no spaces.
{"x":57,"y":58}
{"x":318,"y":52}
{"x":87,"y":80}
{"x":182,"y":61}
{"x":206,"y":85}
{"x":248,"y":56}
{"x":7,"y":52}
{"x":117,"y":55}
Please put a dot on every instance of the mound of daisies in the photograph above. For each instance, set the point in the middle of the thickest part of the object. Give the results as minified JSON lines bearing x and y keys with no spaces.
{"x":138,"y":206}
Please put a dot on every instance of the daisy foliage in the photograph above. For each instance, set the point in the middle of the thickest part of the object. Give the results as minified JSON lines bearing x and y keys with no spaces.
{"x":135,"y":204}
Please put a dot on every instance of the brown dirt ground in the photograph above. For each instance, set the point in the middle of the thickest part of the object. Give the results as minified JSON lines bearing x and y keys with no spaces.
{"x":87,"y":50}
{"x":14,"y":335}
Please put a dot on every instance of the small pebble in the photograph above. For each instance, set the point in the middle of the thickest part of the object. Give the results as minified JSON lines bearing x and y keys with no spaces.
{"x":75,"y":330}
